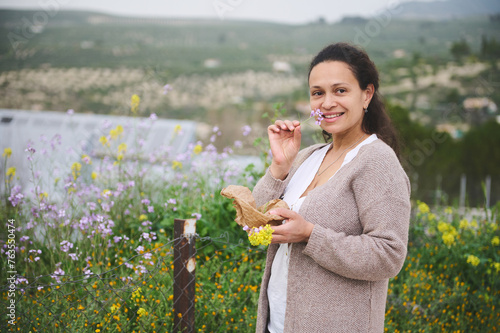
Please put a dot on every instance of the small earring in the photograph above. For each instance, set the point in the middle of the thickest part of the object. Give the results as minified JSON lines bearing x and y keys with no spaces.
{"x":366,"y":110}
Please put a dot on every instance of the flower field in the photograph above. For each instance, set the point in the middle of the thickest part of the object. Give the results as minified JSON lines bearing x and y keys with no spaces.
{"x":93,"y":246}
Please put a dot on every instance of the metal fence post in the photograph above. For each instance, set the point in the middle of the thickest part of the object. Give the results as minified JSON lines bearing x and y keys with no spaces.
{"x":184,"y":275}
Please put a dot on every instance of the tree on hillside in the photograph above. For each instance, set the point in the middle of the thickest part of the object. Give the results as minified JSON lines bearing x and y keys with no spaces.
{"x":460,"y":49}
{"x":481,"y":158}
{"x":490,"y":48}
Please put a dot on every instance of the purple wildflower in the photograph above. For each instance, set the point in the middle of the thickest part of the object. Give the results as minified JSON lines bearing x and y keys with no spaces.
{"x":167,"y":88}
{"x":246,"y":130}
{"x":16,"y":197}
{"x":66,"y":246}
{"x":319,"y":114}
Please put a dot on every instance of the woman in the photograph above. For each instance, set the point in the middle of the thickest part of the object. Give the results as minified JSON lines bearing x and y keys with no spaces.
{"x":346,"y":231}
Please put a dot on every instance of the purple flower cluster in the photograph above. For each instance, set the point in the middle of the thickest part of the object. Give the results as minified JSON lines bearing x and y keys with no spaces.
{"x":317,"y":113}
{"x":80,"y":212}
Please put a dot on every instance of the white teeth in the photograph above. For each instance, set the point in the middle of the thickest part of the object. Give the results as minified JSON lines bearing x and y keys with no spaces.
{"x":333,"y":116}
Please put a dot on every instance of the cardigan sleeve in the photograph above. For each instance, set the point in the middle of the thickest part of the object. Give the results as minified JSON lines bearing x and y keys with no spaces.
{"x":381,"y":191}
{"x":269,"y":188}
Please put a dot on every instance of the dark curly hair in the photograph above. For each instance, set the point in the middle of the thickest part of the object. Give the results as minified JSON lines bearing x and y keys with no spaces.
{"x":376,"y":120}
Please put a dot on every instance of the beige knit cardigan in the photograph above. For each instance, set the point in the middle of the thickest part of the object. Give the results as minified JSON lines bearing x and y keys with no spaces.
{"x":337,"y":281}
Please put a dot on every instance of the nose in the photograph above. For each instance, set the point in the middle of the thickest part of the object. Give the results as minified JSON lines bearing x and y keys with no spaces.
{"x":329,"y":101}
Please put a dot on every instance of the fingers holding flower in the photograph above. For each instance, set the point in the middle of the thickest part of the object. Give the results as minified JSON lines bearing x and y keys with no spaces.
{"x":295,"y":229}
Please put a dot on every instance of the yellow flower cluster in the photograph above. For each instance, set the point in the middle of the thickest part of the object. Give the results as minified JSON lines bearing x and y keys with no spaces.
{"x":75,"y":170}
{"x":7,"y":152}
{"x":104,"y":141}
{"x":142,"y":312}
{"x":116,"y":132}
{"x":197,"y":149}
{"x":11,"y":172}
{"x":473,"y":260}
{"x":261,"y":236}
{"x":122,"y":148}
{"x":136,"y":293}
{"x":449,"y":233}
{"x":176,"y":165}
{"x":134,"y":103}
{"x":423,"y":207}
{"x":424,"y":210}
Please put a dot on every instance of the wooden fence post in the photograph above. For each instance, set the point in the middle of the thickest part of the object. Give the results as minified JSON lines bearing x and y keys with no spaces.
{"x":184,"y":275}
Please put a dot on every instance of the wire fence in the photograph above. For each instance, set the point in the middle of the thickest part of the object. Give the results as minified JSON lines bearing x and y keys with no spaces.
{"x":190,"y":283}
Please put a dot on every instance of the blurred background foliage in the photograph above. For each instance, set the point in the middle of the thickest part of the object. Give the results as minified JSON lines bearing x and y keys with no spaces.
{"x":440,"y":79}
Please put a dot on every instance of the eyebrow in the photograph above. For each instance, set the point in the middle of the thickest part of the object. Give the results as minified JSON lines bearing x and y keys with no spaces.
{"x":333,"y":85}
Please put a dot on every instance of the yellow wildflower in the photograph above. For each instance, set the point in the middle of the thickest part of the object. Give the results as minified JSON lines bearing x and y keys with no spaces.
{"x":134,"y":102}
{"x":119,"y":157}
{"x":143,"y":217}
{"x":177,"y":129}
{"x":495,"y":241}
{"x":122,"y":148}
{"x":448,"y":210}
{"x":473,"y":260}
{"x":104,"y":141}
{"x":75,"y":170}
{"x":142,"y":312}
{"x":423,"y":208}
{"x":7,"y":152}
{"x":93,"y":175}
{"x":474,"y":224}
{"x":496,"y":265}
{"x":464,"y":224}
{"x":448,"y":239}
{"x":11,"y":172}
{"x":176,"y":165}
{"x":116,"y":132}
{"x":197,"y":149}
{"x":443,"y":227}
{"x":136,"y":293}
{"x":262,"y":236}
{"x":114,"y":308}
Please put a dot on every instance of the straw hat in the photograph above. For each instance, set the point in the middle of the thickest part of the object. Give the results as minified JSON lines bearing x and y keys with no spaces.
{"x":247,"y":213}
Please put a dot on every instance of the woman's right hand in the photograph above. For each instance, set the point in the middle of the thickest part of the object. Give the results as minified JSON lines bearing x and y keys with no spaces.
{"x":284,"y":138}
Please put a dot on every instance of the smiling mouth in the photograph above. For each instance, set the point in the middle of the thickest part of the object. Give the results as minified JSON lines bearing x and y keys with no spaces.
{"x":331,"y":116}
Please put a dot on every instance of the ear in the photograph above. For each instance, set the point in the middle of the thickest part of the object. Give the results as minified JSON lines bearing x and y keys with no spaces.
{"x":369,"y":92}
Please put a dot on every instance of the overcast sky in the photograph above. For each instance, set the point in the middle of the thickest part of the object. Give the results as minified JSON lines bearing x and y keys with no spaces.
{"x":284,"y":11}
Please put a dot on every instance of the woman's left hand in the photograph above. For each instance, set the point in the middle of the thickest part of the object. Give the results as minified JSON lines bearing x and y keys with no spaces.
{"x":294,"y":230}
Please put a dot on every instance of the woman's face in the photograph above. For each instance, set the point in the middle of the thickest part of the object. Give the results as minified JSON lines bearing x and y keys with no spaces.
{"x":334,"y":90}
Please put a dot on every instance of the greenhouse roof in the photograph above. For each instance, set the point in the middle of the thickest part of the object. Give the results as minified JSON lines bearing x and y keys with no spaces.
{"x":65,"y":137}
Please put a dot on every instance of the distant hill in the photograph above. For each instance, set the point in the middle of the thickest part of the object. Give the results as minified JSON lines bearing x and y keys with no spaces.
{"x":449,"y":9}
{"x":175,"y":46}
